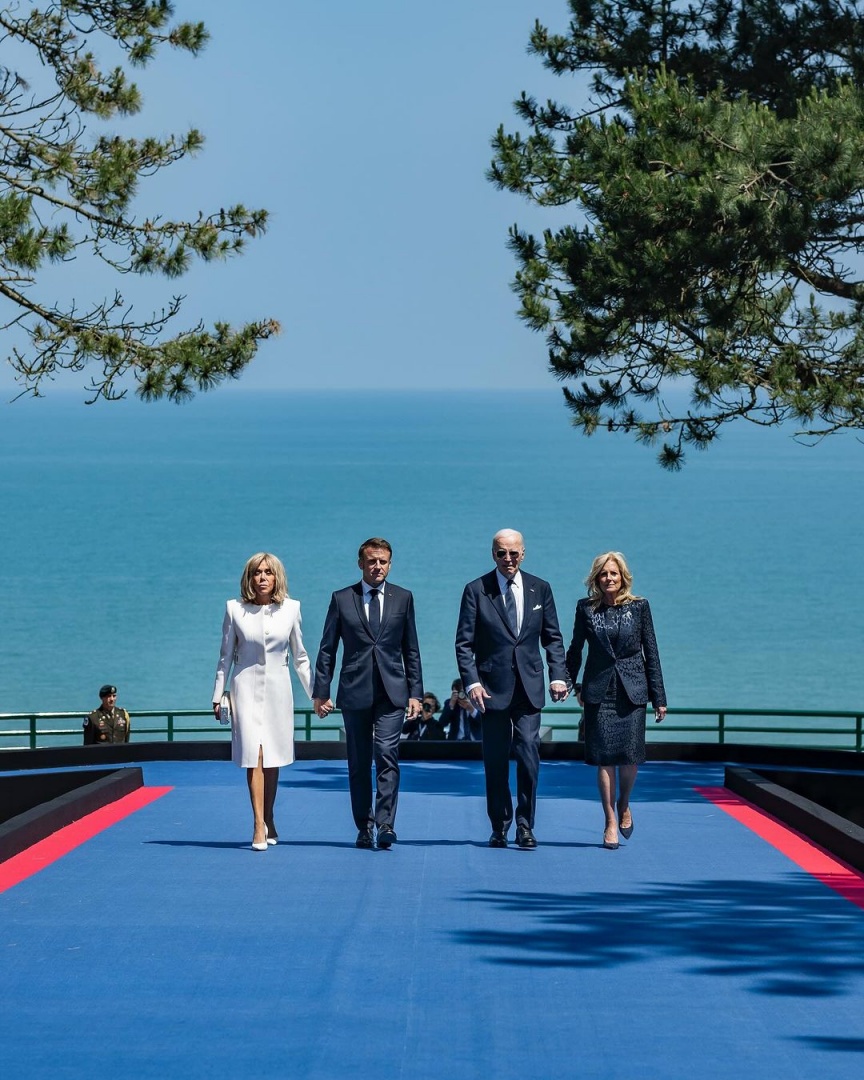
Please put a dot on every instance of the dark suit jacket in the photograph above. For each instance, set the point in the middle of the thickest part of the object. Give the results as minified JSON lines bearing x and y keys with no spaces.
{"x":395,"y":651}
{"x":635,"y":658}
{"x":488,"y":652}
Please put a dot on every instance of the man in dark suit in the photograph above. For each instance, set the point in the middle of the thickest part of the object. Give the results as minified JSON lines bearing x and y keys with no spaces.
{"x":505,"y":618}
{"x":380,"y":678}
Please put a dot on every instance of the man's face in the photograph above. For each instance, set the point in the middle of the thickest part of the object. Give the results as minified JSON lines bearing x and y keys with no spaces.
{"x":109,"y":701}
{"x":375,"y":564}
{"x":508,"y":551}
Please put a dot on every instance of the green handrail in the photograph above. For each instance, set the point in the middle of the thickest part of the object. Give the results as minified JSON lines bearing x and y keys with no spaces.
{"x":34,"y":728}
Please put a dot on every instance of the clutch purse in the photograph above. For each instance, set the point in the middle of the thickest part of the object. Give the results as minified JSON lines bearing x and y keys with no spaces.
{"x":225,"y":709}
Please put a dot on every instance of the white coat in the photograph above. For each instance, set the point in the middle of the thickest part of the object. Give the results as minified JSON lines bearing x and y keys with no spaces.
{"x":256,"y":641}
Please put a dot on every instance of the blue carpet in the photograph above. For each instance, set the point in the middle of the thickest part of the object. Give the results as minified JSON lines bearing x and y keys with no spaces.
{"x":166,"y":947}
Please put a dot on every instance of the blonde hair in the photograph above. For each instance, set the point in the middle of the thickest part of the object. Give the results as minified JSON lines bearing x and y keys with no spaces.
{"x":624,"y":594}
{"x":280,"y":588}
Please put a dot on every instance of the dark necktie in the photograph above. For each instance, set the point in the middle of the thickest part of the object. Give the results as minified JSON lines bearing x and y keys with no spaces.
{"x":374,"y":612}
{"x":510,"y":606}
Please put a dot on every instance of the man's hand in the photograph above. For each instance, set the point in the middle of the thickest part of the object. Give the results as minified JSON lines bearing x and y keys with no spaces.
{"x":478,"y":697}
{"x":414,"y":709}
{"x":322,"y":708}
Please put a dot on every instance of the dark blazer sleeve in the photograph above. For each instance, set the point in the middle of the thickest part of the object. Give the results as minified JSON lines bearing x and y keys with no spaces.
{"x":653,"y":672}
{"x":551,"y":639}
{"x":577,"y":643}
{"x":325,"y":665}
{"x":411,"y":653}
{"x":465,"y":635}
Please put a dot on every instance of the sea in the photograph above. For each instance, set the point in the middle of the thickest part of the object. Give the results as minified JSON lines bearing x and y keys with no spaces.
{"x":126,"y":527}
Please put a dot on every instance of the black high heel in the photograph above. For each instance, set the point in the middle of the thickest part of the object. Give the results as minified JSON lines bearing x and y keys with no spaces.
{"x":625,"y":830}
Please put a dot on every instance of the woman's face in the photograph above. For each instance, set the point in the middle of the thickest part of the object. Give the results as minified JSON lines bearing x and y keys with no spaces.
{"x":609,"y":579}
{"x":263,"y":582}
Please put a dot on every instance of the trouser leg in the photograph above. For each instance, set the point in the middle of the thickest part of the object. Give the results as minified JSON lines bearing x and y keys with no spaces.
{"x":526,"y":748}
{"x":358,"y":739}
{"x":497,"y":737}
{"x":388,"y":730}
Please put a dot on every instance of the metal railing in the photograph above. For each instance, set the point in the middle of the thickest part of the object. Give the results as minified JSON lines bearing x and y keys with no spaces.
{"x":32,"y":729}
{"x":818,"y":728}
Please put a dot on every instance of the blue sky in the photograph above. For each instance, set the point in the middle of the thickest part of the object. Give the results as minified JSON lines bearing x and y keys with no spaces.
{"x":364,"y":128}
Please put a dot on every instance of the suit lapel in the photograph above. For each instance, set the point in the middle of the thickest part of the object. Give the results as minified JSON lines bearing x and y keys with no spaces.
{"x":600,"y":630}
{"x":361,"y":613}
{"x":529,"y":602}
{"x":496,"y":598}
{"x":387,"y":593}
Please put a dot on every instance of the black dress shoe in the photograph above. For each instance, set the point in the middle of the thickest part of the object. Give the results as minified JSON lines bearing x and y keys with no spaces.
{"x":386,"y":836}
{"x":498,"y":838}
{"x":365,"y":839}
{"x":524,"y":837}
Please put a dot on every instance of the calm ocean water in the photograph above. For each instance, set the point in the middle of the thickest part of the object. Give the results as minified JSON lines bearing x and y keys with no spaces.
{"x":126,"y":527}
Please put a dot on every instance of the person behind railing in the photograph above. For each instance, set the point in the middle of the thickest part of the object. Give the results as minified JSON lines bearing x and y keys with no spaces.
{"x":259,"y":632}
{"x":622,"y":673}
{"x":108,"y":723}
{"x":460,"y":717}
{"x":425,"y":727}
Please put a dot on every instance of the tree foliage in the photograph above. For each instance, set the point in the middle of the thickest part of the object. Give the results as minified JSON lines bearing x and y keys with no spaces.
{"x":66,"y":191}
{"x":716,"y":180}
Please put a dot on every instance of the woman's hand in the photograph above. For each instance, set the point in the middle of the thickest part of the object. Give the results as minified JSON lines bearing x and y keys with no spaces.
{"x":660,"y":714}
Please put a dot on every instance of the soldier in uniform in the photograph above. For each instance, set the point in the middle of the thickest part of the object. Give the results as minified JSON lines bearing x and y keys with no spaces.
{"x":107,"y":724}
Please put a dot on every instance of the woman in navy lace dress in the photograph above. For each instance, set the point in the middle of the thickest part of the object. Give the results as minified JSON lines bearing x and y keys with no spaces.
{"x":622,"y":673}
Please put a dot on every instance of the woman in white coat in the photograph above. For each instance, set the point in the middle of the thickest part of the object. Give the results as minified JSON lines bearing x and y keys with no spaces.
{"x":258,"y":633}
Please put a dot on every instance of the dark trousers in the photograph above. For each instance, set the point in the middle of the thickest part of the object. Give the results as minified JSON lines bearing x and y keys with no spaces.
{"x":517,"y":727}
{"x":373,"y":733}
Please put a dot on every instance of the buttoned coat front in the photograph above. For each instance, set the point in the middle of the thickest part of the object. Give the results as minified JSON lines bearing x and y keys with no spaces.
{"x":257,"y":641}
{"x":635,"y":658}
{"x":394,"y":652}
{"x":490,"y":653}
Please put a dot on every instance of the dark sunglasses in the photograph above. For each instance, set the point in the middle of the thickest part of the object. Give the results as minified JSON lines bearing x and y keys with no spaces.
{"x":501,"y":554}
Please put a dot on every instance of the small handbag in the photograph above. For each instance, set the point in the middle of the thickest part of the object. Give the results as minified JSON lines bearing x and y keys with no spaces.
{"x":225,"y":709}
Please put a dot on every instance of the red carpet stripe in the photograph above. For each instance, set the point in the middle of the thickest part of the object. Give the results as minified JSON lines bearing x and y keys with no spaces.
{"x":803,"y":852}
{"x":53,"y":847}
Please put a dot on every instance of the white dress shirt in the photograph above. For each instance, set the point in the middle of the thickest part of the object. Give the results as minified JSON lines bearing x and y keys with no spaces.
{"x":518,"y":594}
{"x":367,"y":590}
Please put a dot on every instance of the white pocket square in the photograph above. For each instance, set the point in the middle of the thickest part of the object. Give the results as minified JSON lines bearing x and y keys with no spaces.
{"x":537,"y":607}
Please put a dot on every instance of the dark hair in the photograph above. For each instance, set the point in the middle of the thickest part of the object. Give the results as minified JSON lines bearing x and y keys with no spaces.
{"x":374,"y":542}
{"x":457,"y":685}
{"x":429,"y":694}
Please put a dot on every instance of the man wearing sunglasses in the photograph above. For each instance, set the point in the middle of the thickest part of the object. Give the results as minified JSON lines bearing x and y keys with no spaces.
{"x":505,"y":619}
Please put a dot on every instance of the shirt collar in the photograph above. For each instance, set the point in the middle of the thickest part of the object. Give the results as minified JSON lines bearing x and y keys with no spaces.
{"x":502,"y":580}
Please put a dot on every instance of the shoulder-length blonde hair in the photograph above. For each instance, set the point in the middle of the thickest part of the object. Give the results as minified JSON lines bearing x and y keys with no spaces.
{"x":280,"y":590}
{"x":624,"y":594}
